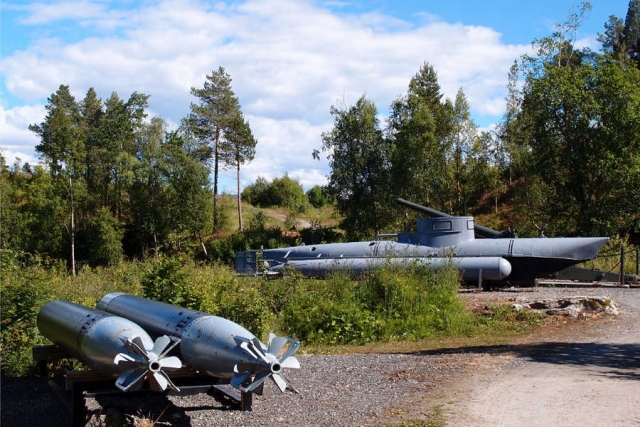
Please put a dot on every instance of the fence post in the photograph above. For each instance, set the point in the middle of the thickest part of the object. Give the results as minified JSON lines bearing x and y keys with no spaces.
{"x":622,"y":265}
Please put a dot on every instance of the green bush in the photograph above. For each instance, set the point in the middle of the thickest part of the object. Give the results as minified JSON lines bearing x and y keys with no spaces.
{"x":285,"y":192}
{"x":165,"y":281}
{"x":23,"y":295}
{"x":318,"y":196}
{"x":103,"y":239}
{"x":317,"y":318}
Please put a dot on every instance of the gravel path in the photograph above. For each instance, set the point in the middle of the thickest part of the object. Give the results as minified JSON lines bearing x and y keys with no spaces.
{"x":368,"y":389}
{"x":575,"y":377}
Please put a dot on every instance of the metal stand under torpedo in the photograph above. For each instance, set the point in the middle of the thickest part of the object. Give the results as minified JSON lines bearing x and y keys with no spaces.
{"x":211,"y":344}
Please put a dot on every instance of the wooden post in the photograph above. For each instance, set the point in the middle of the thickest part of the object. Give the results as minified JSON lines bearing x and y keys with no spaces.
{"x":622,"y":265}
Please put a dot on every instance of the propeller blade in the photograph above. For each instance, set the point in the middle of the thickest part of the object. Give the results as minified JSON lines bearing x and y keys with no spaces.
{"x":131,"y":380}
{"x":137,"y":347}
{"x":280,"y":382}
{"x":276,"y":344}
{"x":257,"y":347}
{"x":239,"y":378}
{"x":151,"y":362}
{"x":292,"y":349}
{"x":160,"y":344}
{"x":283,"y":383}
{"x":247,"y":346}
{"x":252,"y":347}
{"x":272,"y":363}
{"x":258,"y":381}
{"x":157,"y":382}
{"x":170,"y":383}
{"x":170,"y":363}
{"x":291,"y":362}
{"x":125,"y":362}
{"x":174,"y":342}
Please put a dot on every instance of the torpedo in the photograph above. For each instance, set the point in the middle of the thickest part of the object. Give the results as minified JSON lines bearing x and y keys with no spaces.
{"x":112,"y":345}
{"x":211,"y":344}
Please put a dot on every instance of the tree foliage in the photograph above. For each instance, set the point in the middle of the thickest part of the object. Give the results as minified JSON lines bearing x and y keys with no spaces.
{"x":319,"y":196}
{"x":217,"y":122}
{"x":565,"y":155}
{"x":113,"y":184}
{"x":420,"y":129}
{"x":581,"y":111}
{"x":284,"y":192}
{"x":359,"y":159}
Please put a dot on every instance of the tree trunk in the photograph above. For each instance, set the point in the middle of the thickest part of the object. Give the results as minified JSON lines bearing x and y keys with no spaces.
{"x":202,"y":246}
{"x":72,"y":231}
{"x":216,"y":159}
{"x":239,"y":200}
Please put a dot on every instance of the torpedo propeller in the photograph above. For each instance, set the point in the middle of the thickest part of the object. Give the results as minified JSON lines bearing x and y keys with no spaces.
{"x":268,"y":364}
{"x":152,"y":364}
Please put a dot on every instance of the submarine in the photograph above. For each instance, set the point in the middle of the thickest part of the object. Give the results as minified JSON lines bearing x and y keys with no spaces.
{"x":494,"y":258}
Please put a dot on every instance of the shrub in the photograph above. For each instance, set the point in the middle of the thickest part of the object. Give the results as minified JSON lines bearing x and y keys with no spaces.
{"x":103,"y":237}
{"x":165,"y":281}
{"x":318,"y":196}
{"x":316,"y":318}
{"x":23,"y":295}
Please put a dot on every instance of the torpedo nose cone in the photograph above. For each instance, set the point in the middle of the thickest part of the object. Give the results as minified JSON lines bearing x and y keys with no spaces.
{"x":504,"y":268}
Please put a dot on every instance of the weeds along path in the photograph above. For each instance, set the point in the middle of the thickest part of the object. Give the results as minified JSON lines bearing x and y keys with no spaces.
{"x":583,"y":375}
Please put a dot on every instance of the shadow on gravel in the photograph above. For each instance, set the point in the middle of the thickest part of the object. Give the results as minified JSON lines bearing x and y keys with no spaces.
{"x":622,"y":359}
{"x":27,"y":402}
{"x":119,"y":409}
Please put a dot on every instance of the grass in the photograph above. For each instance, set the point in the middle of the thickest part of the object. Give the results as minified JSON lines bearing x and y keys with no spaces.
{"x":325,"y":216}
{"x":435,"y":418}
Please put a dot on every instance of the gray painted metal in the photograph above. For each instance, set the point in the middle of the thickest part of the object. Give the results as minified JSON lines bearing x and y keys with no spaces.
{"x":479,"y":229}
{"x":490,"y":268}
{"x":436,"y":242}
{"x":211,"y":344}
{"x":112,"y":345}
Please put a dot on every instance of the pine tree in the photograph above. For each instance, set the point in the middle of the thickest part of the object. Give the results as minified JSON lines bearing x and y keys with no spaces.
{"x":212,"y":119}
{"x":632,"y":30}
{"x":613,"y":38}
{"x":63,"y":149}
{"x":239,"y":148}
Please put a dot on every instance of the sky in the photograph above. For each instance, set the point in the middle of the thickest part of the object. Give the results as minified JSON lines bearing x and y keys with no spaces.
{"x":289,"y":60}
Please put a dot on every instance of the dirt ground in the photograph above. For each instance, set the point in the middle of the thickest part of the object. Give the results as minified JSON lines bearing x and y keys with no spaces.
{"x":574,"y":373}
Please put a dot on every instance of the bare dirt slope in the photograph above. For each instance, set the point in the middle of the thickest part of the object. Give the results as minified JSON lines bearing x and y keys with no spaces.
{"x":576,"y":376}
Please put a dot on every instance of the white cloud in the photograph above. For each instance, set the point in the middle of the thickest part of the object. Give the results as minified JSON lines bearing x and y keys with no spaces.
{"x":286,"y":148}
{"x":16,"y":140}
{"x":289,"y":61}
{"x":45,"y":13}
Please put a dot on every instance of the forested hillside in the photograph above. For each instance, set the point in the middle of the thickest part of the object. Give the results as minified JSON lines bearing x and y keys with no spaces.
{"x":115,"y":184}
{"x":565,"y":157}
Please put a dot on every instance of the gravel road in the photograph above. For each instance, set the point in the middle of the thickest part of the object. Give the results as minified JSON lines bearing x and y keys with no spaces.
{"x":578,"y":376}
{"x":582,"y":373}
